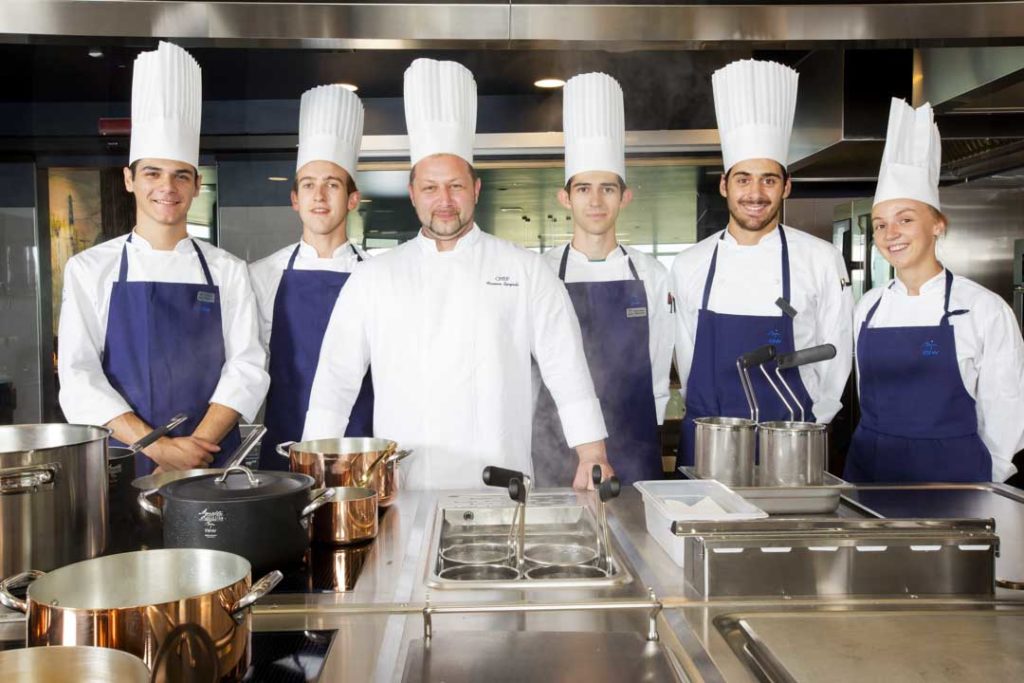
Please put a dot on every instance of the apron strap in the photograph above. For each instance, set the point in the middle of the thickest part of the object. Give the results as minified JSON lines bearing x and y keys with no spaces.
{"x":202,"y":262}
{"x":947,"y":314}
{"x":629,"y":262}
{"x":564,"y":262}
{"x":785,"y":265}
{"x":359,"y":259}
{"x":711,"y":275}
{"x":123,"y":274}
{"x":291,"y":259}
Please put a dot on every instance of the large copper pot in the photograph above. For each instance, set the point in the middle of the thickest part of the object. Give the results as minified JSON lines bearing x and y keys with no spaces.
{"x":145,"y":603}
{"x":344,"y":462}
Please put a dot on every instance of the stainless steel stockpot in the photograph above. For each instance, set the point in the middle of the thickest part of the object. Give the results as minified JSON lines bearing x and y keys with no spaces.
{"x":53,"y":495}
{"x":724,"y":449}
{"x":792,"y":453}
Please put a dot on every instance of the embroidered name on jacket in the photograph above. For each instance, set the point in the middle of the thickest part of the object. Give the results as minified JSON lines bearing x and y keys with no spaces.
{"x":502,"y":281}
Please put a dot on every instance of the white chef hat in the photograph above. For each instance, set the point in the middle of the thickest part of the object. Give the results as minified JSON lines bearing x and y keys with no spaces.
{"x":440,"y":109}
{"x":912,"y":156}
{"x":754,"y":104}
{"x":594,"y":121}
{"x":167,"y":102}
{"x":330,"y":127}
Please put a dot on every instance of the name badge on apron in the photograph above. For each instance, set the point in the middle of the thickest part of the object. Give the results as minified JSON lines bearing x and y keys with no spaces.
{"x":206,"y":297}
{"x":638,"y":312}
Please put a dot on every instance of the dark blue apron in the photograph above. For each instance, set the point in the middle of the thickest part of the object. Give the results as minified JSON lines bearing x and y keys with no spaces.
{"x":918,"y":423}
{"x":713,"y":388}
{"x":164,"y":352}
{"x":614,"y":321}
{"x":302,"y":309}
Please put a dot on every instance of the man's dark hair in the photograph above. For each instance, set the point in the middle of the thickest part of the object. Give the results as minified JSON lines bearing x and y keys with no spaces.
{"x":785,"y":173}
{"x":350,"y":185}
{"x":472,"y":172}
{"x":134,"y":166}
{"x":622,"y":184}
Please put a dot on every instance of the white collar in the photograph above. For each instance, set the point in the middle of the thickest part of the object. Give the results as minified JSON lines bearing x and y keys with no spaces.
{"x":308,"y":251}
{"x":771,"y":238}
{"x":576,"y":255}
{"x":183,"y":246}
{"x":464,"y":243}
{"x":936,"y":283}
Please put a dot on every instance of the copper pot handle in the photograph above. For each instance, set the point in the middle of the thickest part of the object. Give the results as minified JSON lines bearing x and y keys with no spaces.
{"x":324,"y":497}
{"x":146,"y":504}
{"x":282,"y":448}
{"x":258,"y":590}
{"x":7,"y":599}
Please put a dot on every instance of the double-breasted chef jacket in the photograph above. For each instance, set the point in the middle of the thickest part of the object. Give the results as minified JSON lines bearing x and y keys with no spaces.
{"x":450,"y":336}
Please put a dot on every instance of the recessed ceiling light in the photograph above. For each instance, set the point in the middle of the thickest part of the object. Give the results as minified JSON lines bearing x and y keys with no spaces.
{"x":278,"y":179}
{"x":365,"y":201}
{"x":348,"y":86}
{"x":95,"y":53}
{"x":549,"y":83}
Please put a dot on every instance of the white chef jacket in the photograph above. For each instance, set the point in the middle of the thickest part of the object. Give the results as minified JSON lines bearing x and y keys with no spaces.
{"x":989,"y":351}
{"x":267,"y":272}
{"x":748,"y":280}
{"x":86,"y":396}
{"x":660,"y":322}
{"x":450,"y":335}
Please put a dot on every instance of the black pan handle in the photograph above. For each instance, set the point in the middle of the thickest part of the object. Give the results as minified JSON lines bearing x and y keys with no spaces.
{"x":609,"y":489}
{"x":759,"y":356}
{"x":595,"y":475}
{"x":815,"y":354}
{"x":499,"y":476}
{"x":517,"y":490}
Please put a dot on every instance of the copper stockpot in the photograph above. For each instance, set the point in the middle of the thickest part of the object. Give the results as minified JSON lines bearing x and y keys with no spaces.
{"x":342,"y":462}
{"x":351,"y":517}
{"x":142,"y":602}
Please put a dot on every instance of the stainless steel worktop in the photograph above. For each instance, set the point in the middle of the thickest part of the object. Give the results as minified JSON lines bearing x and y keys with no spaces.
{"x":601,"y":631}
{"x":381,"y":621}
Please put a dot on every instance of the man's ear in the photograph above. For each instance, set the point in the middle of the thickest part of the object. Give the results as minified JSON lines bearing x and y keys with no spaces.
{"x":563,"y":199}
{"x":129,"y":180}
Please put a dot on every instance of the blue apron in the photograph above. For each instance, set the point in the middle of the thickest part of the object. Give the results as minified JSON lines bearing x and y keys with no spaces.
{"x":918,"y":423}
{"x":164,"y":352}
{"x":614,"y":321}
{"x":302,"y":309}
{"x":713,"y":388}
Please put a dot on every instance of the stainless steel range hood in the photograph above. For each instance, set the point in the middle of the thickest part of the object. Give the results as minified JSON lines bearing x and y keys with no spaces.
{"x":621,"y":25}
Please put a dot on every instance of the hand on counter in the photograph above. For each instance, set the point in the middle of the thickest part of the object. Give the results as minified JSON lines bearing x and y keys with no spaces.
{"x":182,"y":453}
{"x":591,"y":454}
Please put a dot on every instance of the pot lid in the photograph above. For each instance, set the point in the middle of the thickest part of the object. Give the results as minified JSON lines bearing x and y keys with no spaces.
{"x":237,"y":484}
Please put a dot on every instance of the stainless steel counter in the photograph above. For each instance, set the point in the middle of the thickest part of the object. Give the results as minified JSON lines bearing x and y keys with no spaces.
{"x":381,"y":622}
{"x":542,"y":633}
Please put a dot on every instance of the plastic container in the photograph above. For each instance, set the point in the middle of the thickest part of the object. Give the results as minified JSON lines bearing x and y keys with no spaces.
{"x":660,"y":518}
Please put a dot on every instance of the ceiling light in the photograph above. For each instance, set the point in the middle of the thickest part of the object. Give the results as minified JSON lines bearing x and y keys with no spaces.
{"x":348,"y":86}
{"x":549,"y":83}
{"x":95,"y":53}
{"x":511,"y":209}
{"x":278,"y":179}
{"x":365,"y":201}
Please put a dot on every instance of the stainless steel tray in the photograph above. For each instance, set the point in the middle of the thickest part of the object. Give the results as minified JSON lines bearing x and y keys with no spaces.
{"x":790,"y":500}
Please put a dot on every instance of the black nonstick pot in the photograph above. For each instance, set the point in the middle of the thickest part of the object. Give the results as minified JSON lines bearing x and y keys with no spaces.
{"x":262,"y":516}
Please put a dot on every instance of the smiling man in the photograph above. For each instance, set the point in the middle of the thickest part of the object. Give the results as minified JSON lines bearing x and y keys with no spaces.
{"x":145,"y":320}
{"x":619,"y":293}
{"x":297,"y":286}
{"x":758,"y":282}
{"x":450,"y":319}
